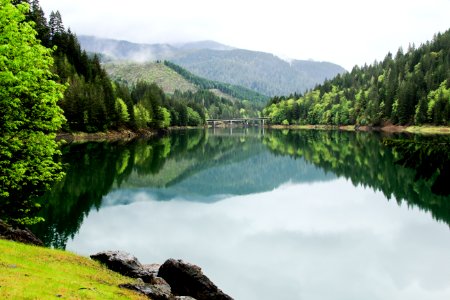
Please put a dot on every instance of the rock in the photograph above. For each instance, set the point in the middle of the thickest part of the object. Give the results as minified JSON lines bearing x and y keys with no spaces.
{"x":124,"y":263}
{"x":184,"y":298}
{"x":153,"y":291}
{"x":152,"y":268}
{"x":188,"y":280}
{"x":159,"y":280}
{"x":19,"y":235}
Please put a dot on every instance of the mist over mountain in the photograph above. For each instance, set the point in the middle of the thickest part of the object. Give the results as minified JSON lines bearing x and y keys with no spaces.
{"x":259,"y":71}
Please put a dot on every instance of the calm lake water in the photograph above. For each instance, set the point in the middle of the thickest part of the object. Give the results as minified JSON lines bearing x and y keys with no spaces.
{"x":267,"y":215}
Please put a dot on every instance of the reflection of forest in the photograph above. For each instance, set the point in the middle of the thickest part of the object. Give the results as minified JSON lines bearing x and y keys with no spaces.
{"x":93,"y":169}
{"x":196,"y":164}
{"x":415,"y":171}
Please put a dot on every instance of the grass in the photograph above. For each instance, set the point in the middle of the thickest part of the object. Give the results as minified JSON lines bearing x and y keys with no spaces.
{"x":30,"y":272}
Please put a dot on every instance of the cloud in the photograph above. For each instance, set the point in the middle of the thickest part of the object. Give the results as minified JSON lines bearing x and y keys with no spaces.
{"x":347,"y":32}
{"x":288,"y":243}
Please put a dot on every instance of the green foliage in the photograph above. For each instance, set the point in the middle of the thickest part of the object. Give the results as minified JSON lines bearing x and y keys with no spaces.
{"x":122,"y":112}
{"x":142,"y":116}
{"x":29,"y":116}
{"x":194,"y":118}
{"x":165,"y":120}
{"x":412,"y":88}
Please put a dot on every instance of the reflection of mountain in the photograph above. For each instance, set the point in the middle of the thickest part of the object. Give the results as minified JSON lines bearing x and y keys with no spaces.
{"x":196,"y":165}
{"x":250,"y":170}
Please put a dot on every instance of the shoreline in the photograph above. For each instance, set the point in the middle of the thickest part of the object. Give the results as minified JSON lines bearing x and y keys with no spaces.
{"x":115,"y":135}
{"x":112,"y":135}
{"x":128,"y":135}
{"x":425,"y":129}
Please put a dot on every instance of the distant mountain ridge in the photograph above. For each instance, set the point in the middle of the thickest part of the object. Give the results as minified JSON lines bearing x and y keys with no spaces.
{"x":258,"y":71}
{"x":125,"y":50}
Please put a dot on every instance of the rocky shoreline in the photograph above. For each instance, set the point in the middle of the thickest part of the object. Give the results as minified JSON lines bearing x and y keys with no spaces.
{"x":122,"y":135}
{"x":172,"y":280}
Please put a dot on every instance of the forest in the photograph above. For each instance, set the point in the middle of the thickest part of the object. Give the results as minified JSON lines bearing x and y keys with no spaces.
{"x":92,"y":102}
{"x":410,"y":88}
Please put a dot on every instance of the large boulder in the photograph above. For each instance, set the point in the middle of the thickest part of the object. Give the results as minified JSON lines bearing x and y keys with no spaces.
{"x":125,"y":264}
{"x":19,"y":235}
{"x":188,"y":280}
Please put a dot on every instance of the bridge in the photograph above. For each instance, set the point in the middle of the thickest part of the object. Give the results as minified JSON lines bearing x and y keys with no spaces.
{"x":243,"y":121}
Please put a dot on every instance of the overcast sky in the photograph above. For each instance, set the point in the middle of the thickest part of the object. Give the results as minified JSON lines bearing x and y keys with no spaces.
{"x":346,"y":32}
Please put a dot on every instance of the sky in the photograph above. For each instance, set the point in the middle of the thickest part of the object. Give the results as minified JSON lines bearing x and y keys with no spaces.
{"x":346,"y":32}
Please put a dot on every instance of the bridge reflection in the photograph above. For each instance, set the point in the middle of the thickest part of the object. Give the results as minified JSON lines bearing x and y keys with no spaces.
{"x":244,"y":122}
{"x":237,"y":131}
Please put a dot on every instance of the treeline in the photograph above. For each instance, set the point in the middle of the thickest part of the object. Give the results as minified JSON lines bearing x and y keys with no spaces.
{"x":216,"y":107}
{"x":408,"y":88}
{"x":236,"y":91}
{"x":92,"y":102}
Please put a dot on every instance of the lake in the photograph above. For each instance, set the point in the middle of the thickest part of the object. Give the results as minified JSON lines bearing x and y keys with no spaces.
{"x":272,"y":214}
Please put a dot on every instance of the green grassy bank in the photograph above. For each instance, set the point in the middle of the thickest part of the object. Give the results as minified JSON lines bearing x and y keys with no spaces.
{"x":30,"y":272}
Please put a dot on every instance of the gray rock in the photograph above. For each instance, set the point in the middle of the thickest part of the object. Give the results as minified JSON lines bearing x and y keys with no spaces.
{"x":19,"y":235}
{"x":159,"y":280}
{"x":152,"y":268}
{"x":153,"y":291}
{"x":124,"y":263}
{"x":188,"y":280}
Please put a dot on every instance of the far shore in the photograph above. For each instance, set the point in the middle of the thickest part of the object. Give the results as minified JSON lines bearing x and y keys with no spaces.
{"x":425,"y":129}
{"x":124,"y":135}
{"x":114,"y":135}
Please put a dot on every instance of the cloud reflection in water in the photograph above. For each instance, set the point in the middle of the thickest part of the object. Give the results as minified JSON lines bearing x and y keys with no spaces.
{"x":326,"y":240}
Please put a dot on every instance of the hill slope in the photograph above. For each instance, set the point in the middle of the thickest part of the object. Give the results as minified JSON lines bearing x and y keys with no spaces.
{"x":30,"y":272}
{"x":166,"y":78}
{"x":170,"y":77}
{"x":259,"y":71}
{"x":408,"y":88}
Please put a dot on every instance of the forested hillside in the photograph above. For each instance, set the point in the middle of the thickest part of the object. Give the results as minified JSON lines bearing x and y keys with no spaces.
{"x":218,"y":100}
{"x":262,"y":72}
{"x":232,"y":90}
{"x":411,"y":87}
{"x":259,"y":71}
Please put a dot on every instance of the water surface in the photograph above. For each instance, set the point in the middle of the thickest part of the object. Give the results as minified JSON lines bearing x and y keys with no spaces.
{"x":267,"y":215}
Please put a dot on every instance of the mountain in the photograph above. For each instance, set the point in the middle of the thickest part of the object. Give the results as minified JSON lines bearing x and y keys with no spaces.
{"x":259,"y":71}
{"x":212,"y":45}
{"x":124,"y":50}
